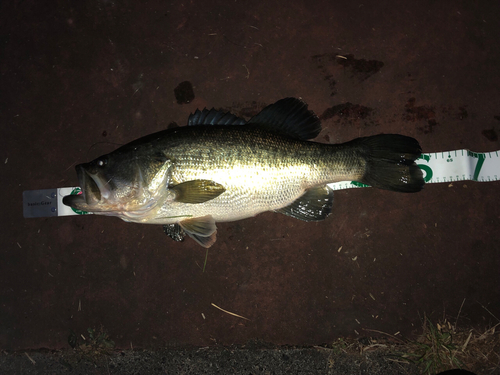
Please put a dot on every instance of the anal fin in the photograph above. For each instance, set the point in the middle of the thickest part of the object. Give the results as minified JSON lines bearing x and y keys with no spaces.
{"x":314,"y":205}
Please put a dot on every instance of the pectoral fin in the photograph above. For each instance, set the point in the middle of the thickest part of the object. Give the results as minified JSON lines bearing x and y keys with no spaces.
{"x":314,"y":205}
{"x":197,"y":191}
{"x":201,"y":229}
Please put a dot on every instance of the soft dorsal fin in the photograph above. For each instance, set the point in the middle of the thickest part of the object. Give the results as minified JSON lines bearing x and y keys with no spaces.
{"x":214,"y":117}
{"x":290,"y":117}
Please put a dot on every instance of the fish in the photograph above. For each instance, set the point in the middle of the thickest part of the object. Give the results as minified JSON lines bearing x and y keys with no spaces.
{"x":222,"y":168}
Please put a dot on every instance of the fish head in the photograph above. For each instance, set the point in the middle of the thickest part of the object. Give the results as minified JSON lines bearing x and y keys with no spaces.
{"x":123,"y":183}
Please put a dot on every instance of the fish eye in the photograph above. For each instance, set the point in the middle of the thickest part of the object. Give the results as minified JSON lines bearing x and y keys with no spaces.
{"x":102,"y":162}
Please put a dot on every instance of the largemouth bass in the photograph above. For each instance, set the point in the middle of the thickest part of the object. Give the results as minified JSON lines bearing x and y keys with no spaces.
{"x":222,"y":168}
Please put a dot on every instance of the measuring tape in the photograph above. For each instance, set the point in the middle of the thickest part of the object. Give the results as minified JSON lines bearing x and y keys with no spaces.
{"x":457,"y":165}
{"x":438,"y":167}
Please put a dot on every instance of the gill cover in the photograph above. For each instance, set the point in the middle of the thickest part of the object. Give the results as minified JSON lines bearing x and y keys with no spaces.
{"x":121,"y":181}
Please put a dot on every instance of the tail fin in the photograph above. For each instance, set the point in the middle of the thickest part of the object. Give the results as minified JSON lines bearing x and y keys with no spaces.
{"x":390,"y":162}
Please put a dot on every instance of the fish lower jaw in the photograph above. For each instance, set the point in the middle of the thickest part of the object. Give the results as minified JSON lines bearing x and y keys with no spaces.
{"x":128,"y":216}
{"x":138,"y":216}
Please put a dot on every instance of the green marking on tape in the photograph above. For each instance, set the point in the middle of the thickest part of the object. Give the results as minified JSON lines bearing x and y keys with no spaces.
{"x":427,"y":170}
{"x":479,"y":165}
{"x":77,"y":191}
{"x":359,"y":184}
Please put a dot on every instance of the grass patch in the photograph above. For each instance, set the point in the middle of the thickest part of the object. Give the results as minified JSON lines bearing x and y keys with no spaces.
{"x":94,"y":343}
{"x":442,"y":346}
{"x":439,"y":347}
{"x":435,"y":350}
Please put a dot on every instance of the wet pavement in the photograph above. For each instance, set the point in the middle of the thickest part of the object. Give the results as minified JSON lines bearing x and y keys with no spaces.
{"x":80,"y":78}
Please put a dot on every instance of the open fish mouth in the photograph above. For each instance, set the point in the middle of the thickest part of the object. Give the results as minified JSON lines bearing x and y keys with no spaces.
{"x":91,"y":196}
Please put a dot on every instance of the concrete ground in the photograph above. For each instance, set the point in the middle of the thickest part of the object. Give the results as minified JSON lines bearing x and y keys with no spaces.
{"x":80,"y":78}
{"x":208,"y":361}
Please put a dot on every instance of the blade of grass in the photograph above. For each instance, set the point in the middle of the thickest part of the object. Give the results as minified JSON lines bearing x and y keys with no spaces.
{"x":205,"y":264}
{"x":229,"y":312}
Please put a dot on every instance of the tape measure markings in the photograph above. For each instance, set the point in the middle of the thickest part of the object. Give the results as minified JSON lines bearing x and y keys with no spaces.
{"x":450,"y":166}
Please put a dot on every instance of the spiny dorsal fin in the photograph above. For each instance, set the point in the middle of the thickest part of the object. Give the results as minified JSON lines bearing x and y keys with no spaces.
{"x":290,"y":117}
{"x":214,"y":117}
{"x":314,"y":205}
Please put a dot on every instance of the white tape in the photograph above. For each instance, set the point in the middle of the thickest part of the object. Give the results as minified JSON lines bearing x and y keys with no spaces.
{"x":460,"y":165}
{"x":457,"y":165}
